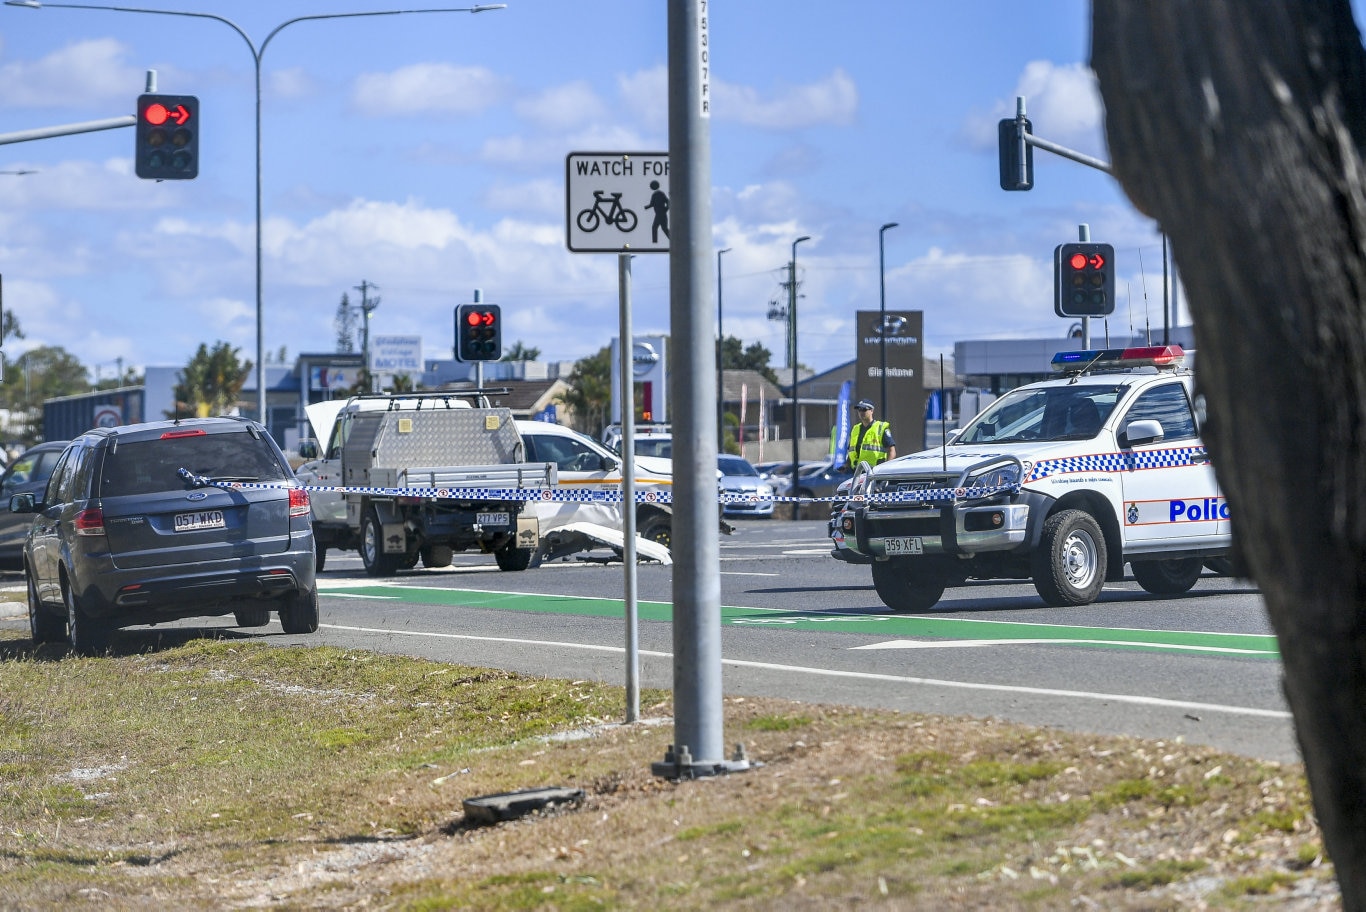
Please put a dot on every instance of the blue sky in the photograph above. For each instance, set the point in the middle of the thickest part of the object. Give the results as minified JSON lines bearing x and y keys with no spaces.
{"x":425,"y":154}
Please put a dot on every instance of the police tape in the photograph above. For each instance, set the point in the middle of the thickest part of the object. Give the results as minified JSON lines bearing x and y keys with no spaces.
{"x":578,"y":495}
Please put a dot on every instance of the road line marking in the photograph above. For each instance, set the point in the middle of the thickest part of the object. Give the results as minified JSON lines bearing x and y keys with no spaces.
{"x":745,"y":573}
{"x":965,"y":644}
{"x":862,"y":675}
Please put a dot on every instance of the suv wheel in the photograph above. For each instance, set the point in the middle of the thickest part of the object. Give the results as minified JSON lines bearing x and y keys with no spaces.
{"x":1069,"y":566}
{"x":45,"y":626}
{"x":1172,"y":576}
{"x":299,"y":613}
{"x":89,"y":636}
{"x":372,"y":555}
{"x":908,"y":584}
{"x":251,"y":617}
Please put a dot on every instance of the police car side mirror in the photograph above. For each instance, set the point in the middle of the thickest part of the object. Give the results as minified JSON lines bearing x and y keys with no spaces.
{"x":308,"y":449}
{"x":608,"y":464}
{"x":1145,"y":430}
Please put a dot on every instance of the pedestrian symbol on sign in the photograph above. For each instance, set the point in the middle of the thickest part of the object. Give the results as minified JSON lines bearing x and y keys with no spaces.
{"x":659,"y":202}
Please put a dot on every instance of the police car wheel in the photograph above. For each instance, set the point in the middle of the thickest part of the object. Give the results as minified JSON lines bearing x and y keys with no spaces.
{"x":1168,"y":577}
{"x":908,"y":584}
{"x":1069,"y":566}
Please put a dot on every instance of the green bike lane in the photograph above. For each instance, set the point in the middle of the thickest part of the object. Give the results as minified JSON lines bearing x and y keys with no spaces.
{"x":895,"y":631}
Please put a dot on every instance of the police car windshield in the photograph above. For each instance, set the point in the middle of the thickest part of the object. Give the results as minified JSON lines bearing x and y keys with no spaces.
{"x":1072,"y":412}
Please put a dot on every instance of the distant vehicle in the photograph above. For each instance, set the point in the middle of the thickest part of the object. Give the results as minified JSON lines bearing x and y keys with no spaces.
{"x":779,"y":470}
{"x":27,"y":474}
{"x":134,"y":528}
{"x":737,"y":476}
{"x":821,"y":479}
{"x":651,"y":439}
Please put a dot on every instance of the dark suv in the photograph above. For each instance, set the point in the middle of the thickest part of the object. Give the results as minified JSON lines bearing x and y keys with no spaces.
{"x":154,"y":522}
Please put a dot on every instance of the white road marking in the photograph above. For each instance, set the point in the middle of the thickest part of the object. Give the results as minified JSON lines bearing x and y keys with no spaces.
{"x":860,"y":675}
{"x":969,"y":644}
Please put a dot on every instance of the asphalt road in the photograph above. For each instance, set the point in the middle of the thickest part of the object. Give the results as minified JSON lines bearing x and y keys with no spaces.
{"x":796,"y":624}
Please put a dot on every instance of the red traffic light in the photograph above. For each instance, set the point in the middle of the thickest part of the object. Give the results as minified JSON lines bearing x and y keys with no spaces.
{"x":477,"y":318}
{"x":1081,"y":261}
{"x":157,"y":114}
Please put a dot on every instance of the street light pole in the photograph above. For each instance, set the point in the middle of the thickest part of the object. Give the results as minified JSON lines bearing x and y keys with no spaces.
{"x":792,"y":316}
{"x":256,"y":55}
{"x":720,"y":364}
{"x":882,"y":309}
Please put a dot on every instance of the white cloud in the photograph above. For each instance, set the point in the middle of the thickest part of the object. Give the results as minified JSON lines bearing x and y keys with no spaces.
{"x":833,"y":101}
{"x":293,"y":82}
{"x":85,"y":186}
{"x":563,"y":107}
{"x":427,"y":88}
{"x":543,"y":197}
{"x":79,"y":73}
{"x":1066,"y":98}
{"x":523,"y":151}
{"x":1062,"y":102}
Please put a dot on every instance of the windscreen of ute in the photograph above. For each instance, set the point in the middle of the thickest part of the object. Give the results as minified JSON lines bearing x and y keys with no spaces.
{"x":152,"y":466}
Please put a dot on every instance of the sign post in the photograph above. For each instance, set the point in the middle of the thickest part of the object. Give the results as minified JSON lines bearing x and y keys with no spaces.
{"x":618,"y":202}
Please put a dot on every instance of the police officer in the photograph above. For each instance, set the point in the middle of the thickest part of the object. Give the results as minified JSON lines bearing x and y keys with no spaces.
{"x":870,"y":441}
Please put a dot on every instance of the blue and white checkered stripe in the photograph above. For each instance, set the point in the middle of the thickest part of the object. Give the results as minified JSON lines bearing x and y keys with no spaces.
{"x":1175,"y":457}
{"x":579,"y":495}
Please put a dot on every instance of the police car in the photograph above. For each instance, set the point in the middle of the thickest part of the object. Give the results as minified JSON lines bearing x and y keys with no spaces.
{"x":1062,"y":482}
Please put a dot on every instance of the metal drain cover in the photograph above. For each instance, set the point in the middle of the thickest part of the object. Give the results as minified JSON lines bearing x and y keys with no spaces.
{"x":511,"y":805}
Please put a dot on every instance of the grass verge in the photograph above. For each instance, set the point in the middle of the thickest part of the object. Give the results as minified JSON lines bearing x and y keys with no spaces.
{"x":228,"y":774}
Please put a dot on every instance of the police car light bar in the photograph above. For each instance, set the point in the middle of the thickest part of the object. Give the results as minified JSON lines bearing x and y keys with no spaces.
{"x":1147,"y":356}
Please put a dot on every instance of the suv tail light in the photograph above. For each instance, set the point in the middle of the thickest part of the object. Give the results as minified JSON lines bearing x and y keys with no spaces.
{"x":298,"y":502}
{"x":89,"y":522}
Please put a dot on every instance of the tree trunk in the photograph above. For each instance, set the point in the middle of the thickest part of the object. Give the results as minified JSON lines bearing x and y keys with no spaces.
{"x":1239,"y":127}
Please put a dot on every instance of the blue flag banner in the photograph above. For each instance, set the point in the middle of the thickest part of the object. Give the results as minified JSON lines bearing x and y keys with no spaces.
{"x":934,"y":406}
{"x":840,"y":449}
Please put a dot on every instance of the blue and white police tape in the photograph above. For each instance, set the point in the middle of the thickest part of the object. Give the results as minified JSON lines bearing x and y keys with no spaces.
{"x":561,"y":494}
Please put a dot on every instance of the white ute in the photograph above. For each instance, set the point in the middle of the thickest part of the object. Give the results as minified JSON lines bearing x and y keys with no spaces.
{"x":1062,"y":482}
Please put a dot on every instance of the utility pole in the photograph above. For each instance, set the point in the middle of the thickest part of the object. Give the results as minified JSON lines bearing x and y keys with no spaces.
{"x":367,"y":304}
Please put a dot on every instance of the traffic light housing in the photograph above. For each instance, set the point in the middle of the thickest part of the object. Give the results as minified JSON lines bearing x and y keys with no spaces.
{"x":167,"y":137}
{"x":478,"y":332}
{"x":1012,"y":147}
{"x":1084,"y":280}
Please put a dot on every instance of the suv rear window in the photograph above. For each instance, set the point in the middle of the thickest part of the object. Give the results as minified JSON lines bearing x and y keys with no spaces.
{"x":152,"y":466}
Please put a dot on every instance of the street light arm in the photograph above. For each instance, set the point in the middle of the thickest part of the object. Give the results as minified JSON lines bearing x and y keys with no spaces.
{"x":456,"y":9}
{"x":37,"y":4}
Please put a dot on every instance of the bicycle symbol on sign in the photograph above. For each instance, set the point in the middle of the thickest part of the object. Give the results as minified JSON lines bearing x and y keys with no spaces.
{"x":610,"y":211}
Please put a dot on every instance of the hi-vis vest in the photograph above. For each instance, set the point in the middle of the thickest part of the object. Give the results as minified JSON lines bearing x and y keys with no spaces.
{"x":866,"y":445}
